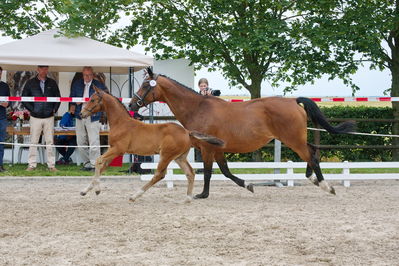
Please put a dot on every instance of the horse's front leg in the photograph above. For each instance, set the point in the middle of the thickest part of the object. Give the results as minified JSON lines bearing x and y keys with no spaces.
{"x":207,"y":157}
{"x":222,"y":163}
{"x":102,"y":163}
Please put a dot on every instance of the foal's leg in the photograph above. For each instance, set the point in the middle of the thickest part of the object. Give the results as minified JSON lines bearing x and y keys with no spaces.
{"x":188,"y":170}
{"x":102,"y":163}
{"x":159,"y":174}
{"x":222,"y":163}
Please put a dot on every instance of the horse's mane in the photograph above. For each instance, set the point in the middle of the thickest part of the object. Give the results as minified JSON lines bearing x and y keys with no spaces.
{"x":118,"y":101}
{"x":175,"y":81}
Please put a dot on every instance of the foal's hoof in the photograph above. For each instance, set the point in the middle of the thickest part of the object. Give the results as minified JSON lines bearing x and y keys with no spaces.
{"x":98,"y":192}
{"x":201,"y":196}
{"x":250,"y":187}
{"x":131,"y":199}
{"x":188,"y":199}
{"x":82,"y":193}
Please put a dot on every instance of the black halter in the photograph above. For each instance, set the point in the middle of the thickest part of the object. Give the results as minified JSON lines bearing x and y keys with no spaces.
{"x":151,"y":84}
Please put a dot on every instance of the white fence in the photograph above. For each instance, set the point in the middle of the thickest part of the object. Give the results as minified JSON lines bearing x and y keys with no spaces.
{"x":346,"y":176}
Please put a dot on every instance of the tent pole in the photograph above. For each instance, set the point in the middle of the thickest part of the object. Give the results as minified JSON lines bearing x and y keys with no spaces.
{"x":131,"y":88}
{"x":110,"y":80}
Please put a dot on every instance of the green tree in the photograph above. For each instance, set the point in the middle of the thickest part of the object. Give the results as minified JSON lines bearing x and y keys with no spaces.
{"x":357,"y":31}
{"x":250,"y":41}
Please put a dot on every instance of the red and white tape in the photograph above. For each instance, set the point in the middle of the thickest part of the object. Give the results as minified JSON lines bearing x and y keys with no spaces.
{"x":51,"y":99}
{"x":127,"y":100}
{"x":344,"y":99}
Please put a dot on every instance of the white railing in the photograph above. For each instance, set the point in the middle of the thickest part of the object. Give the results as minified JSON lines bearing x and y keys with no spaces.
{"x":346,"y":176}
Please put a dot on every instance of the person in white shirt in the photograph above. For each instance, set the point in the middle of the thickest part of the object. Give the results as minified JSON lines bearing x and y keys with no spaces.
{"x":87,"y":129}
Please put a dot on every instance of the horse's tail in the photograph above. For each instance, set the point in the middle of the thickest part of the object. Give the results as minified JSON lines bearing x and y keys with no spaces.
{"x":318,"y":117}
{"x":204,"y":137}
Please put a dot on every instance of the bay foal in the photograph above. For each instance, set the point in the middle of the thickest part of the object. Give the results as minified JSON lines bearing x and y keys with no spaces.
{"x":243,"y":126}
{"x":127,"y":135}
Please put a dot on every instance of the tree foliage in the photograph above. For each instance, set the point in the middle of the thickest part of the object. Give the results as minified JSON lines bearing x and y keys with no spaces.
{"x":251,"y":41}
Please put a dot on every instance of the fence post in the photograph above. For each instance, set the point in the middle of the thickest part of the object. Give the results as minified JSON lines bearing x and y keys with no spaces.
{"x":346,"y":173}
{"x":290,"y":173}
{"x":277,"y":159}
{"x":169,"y":178}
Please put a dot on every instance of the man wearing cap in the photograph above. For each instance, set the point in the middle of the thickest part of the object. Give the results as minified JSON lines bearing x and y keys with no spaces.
{"x":41,"y":115}
{"x":87,"y":129}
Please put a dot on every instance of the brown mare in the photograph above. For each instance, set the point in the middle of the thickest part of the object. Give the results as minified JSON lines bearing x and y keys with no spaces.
{"x":127,"y":135}
{"x":244,"y":126}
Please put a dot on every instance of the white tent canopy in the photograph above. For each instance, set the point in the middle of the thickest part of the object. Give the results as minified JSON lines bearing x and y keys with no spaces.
{"x":64,"y":54}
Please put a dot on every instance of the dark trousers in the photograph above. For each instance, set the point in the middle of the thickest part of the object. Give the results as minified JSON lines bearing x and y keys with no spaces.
{"x":3,"y":133}
{"x":66,"y":152}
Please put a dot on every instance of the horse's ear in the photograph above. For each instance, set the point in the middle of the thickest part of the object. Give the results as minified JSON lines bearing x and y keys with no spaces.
{"x":150,"y":73}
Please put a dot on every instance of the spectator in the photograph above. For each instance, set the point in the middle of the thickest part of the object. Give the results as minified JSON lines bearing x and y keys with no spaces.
{"x":4,"y":91}
{"x":87,"y":129}
{"x":41,"y":115}
{"x":203,"y":85}
{"x":67,"y":120}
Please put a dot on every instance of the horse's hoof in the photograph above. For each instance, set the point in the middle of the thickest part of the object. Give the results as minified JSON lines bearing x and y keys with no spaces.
{"x":131,"y":199}
{"x":326,"y":187}
{"x":98,"y":192}
{"x":201,"y":196}
{"x":314,"y":180}
{"x":250,"y":187}
{"x":82,"y":193}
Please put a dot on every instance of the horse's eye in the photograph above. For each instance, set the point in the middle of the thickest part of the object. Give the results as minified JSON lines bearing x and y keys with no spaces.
{"x":92,"y":100}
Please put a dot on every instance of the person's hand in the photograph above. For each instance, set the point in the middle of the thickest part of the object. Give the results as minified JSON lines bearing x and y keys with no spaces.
{"x":4,"y":104}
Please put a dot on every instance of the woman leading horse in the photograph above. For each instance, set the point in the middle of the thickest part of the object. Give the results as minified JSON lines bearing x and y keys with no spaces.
{"x":244,"y":126}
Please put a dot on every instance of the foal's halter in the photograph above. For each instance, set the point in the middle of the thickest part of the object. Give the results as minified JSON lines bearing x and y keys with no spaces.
{"x":97,"y":103}
{"x":152,"y":84}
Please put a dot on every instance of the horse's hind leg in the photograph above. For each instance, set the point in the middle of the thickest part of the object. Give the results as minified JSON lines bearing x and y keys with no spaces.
{"x":306,"y":152}
{"x":189,"y":172}
{"x":222,"y":163}
{"x":309,"y":169}
{"x":102,"y":163}
{"x":159,"y":174}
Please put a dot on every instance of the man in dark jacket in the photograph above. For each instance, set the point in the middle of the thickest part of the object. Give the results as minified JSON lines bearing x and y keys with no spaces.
{"x":41,"y":115}
{"x":4,"y":91}
{"x":87,"y":129}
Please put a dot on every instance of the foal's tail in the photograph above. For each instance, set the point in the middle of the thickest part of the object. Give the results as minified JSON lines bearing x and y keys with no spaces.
{"x":318,"y":117}
{"x":204,"y":137}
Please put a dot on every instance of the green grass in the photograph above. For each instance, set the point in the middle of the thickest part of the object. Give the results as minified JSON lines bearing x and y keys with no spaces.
{"x":74,"y":170}
{"x":64,"y":170}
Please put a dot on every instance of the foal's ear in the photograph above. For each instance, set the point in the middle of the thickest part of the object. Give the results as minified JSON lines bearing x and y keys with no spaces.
{"x":149,"y":72}
{"x":97,"y":89}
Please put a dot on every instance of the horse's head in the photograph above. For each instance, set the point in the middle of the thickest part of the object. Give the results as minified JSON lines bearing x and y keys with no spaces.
{"x":95,"y":103}
{"x":148,"y":92}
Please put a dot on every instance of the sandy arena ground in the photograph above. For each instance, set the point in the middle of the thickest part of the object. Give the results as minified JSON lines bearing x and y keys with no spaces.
{"x":49,"y":223}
